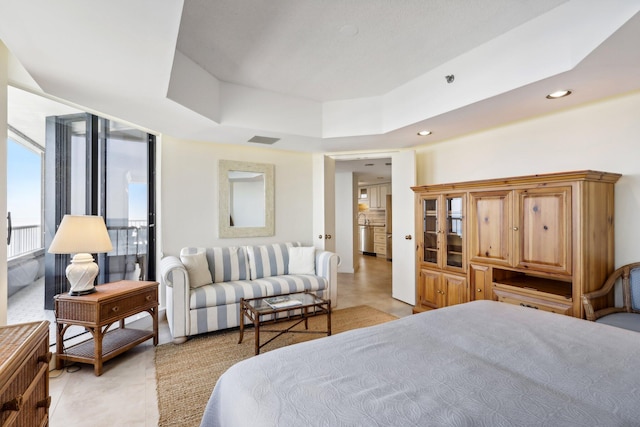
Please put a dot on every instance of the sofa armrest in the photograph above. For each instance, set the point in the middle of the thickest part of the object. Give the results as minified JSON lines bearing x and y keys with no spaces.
{"x":174,"y":276}
{"x":327,"y":267}
{"x":173,"y":270}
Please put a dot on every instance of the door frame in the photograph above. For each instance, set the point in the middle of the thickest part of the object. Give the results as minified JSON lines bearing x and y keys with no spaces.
{"x":403,"y":177}
{"x":57,"y":201}
{"x":58,"y":192}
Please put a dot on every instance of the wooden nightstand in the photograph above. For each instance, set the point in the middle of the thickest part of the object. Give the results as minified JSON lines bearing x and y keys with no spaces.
{"x":112,"y":302}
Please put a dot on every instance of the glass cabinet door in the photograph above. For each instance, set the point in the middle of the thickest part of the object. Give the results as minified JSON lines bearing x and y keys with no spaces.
{"x":454,"y":231}
{"x":430,"y":229}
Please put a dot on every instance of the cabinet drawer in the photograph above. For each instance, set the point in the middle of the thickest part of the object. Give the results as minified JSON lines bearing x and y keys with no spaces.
{"x":380,"y":238}
{"x":118,"y":308}
{"x":380,"y":249}
{"x":534,"y":302}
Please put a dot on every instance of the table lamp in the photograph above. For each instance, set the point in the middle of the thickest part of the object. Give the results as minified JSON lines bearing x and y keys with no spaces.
{"x":81,"y":235}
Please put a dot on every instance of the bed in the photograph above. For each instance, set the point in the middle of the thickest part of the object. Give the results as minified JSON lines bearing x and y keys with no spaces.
{"x":482,"y":363}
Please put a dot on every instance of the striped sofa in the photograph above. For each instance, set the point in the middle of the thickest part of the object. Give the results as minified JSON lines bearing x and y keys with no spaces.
{"x":201,"y":301}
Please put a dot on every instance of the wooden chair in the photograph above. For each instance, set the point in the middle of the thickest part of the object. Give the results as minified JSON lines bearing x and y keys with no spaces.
{"x":599,"y":305}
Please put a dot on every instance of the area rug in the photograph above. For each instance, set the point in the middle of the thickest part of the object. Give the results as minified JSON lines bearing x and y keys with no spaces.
{"x":186,"y":373}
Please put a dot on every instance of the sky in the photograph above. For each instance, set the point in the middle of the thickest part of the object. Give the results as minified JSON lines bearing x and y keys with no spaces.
{"x":23,"y":184}
{"x":24,"y":188}
{"x":137,"y":201}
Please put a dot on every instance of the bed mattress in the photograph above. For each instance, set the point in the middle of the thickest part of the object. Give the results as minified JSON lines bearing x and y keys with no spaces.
{"x":482,"y":363}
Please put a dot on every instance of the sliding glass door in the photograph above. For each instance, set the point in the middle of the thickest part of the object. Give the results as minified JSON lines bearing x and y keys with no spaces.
{"x":94,"y":166}
{"x":126,"y":202}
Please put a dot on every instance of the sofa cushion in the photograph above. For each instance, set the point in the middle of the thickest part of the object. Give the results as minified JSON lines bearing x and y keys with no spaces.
{"x":269,"y":260}
{"x":302,"y":260}
{"x":630,"y":321}
{"x":228,"y":264}
{"x":276,"y":285}
{"x":223,"y":293}
{"x":195,"y":261}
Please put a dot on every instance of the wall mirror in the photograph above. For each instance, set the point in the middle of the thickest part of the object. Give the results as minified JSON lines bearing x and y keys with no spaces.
{"x":246,"y":196}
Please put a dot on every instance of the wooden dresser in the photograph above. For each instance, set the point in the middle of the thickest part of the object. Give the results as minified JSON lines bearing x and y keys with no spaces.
{"x":24,"y":374}
{"x":537,"y":241}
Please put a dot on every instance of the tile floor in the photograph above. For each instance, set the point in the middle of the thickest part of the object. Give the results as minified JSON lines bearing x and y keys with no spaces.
{"x":26,"y":306}
{"x":125,"y":394}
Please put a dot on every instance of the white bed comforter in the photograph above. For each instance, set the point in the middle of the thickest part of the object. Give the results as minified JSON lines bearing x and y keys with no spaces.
{"x":482,"y":363}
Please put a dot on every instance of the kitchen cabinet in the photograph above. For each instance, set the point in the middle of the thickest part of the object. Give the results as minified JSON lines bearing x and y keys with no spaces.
{"x":380,"y":241}
{"x":375,"y":196}
{"x":539,"y":241}
{"x":374,"y":199}
{"x":383,"y":190}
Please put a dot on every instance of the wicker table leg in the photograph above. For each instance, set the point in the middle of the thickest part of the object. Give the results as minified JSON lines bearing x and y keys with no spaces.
{"x":154,"y":315}
{"x":59,"y":344}
{"x":97,"y":345}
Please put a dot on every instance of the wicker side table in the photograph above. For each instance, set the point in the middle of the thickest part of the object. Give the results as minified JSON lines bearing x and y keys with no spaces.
{"x":112,"y":302}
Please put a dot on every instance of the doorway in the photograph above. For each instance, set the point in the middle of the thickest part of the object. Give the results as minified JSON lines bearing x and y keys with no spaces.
{"x":371,"y":184}
{"x":401,"y":177}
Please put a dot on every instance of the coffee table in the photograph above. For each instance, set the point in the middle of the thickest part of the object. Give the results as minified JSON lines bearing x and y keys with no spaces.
{"x":260,"y":313}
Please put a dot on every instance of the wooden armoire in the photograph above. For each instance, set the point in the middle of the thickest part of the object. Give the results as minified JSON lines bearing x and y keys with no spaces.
{"x":539,"y":241}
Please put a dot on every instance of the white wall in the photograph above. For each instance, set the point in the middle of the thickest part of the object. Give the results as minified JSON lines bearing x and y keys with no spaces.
{"x":189,"y":183}
{"x":4,"y":64}
{"x":600,"y":136}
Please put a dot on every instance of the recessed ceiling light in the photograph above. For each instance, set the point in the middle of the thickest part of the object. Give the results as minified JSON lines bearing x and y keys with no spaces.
{"x":424,"y":132}
{"x":559,"y":94}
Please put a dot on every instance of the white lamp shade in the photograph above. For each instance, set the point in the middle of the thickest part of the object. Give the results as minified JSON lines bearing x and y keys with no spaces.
{"x":81,"y":234}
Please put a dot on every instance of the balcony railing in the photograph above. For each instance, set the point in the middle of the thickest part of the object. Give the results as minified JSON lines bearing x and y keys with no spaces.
{"x":28,"y":238}
{"x":24,"y":239}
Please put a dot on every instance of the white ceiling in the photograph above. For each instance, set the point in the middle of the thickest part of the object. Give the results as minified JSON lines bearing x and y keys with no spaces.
{"x":333,"y":50}
{"x":368,"y":168}
{"x":323,"y":76}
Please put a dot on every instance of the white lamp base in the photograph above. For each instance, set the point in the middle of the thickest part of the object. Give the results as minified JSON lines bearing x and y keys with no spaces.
{"x":81,"y":273}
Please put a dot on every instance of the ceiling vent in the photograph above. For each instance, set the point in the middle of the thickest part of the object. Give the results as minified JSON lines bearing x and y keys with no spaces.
{"x":264,"y":140}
